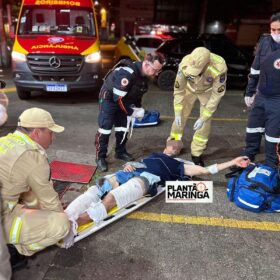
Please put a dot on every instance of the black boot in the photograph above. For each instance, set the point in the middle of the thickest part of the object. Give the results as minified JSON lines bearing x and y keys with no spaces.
{"x":198,"y":160}
{"x":102,"y":164}
{"x":124,"y":156}
{"x":17,"y":260}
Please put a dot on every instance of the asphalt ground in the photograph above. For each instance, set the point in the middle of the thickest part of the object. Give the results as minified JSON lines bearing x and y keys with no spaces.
{"x":161,"y":240}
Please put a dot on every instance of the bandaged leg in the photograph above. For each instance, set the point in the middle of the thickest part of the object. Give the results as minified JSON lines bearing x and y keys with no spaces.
{"x":82,"y":203}
{"x":130,"y":191}
{"x":97,"y":212}
{"x":120,"y":196}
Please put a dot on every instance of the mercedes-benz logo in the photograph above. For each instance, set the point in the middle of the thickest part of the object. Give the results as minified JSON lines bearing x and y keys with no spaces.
{"x":54,"y":62}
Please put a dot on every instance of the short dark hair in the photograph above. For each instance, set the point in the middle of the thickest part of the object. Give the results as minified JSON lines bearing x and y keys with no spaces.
{"x":25,"y":129}
{"x":152,"y":57}
{"x":275,"y":17}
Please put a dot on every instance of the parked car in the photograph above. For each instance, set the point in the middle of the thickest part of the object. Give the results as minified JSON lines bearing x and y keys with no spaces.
{"x":150,"y":42}
{"x":238,"y":62}
{"x":127,"y":48}
{"x":135,"y":47}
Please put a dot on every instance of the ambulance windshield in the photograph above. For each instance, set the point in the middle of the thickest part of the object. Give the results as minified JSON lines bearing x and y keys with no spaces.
{"x":57,"y":21}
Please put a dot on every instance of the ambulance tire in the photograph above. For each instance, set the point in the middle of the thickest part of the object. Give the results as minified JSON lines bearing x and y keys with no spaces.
{"x":23,"y":94}
{"x":166,"y":79}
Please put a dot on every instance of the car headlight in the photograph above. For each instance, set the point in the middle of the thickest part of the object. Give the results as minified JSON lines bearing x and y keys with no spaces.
{"x":18,"y":57}
{"x":93,"y":57}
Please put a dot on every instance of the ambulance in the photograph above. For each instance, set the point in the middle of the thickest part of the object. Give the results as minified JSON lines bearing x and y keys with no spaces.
{"x":56,"y":48}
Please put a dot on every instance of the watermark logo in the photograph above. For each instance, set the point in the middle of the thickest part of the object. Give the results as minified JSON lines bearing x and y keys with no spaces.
{"x":189,"y":191}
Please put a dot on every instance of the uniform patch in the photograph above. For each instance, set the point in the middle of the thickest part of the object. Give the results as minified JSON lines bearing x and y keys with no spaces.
{"x":209,"y":79}
{"x":177,"y":85}
{"x":222,"y":78}
{"x":221,"y":89}
{"x":276,"y":63}
{"x":124,"y":82}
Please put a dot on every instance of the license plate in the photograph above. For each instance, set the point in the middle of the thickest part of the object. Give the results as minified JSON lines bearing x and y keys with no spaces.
{"x":57,"y":87}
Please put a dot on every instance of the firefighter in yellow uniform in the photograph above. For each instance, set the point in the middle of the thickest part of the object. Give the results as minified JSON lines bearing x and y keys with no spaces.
{"x":201,"y":75}
{"x":32,"y":214}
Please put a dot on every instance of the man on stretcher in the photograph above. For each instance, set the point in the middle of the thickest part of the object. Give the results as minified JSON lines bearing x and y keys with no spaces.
{"x":134,"y":181}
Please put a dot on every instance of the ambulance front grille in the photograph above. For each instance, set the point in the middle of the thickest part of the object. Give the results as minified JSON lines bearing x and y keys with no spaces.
{"x":50,"y":63}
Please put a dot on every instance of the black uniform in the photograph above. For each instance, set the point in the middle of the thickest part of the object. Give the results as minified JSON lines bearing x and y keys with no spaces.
{"x":264,"y":117}
{"x":122,"y":90}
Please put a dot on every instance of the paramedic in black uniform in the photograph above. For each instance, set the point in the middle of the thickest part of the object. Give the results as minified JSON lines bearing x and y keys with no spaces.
{"x":120,"y":97}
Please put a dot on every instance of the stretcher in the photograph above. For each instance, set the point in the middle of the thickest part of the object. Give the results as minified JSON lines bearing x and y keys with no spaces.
{"x":114,"y":215}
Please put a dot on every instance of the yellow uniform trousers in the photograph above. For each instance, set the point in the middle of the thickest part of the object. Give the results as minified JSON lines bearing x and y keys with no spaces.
{"x":31,"y":230}
{"x":201,"y":136}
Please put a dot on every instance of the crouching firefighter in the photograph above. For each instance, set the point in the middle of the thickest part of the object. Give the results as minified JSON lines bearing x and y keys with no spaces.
{"x":31,"y":212}
{"x":119,"y":101}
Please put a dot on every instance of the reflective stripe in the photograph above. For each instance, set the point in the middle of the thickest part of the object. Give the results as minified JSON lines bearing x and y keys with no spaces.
{"x":124,"y":129}
{"x":119,"y":92}
{"x":104,"y":131}
{"x":255,"y":129}
{"x":128,"y":69}
{"x":36,"y":247}
{"x":217,"y":58}
{"x":247,"y":203}
{"x":254,"y":71}
{"x":213,"y":70}
{"x":176,"y":136}
{"x":178,"y":108}
{"x":15,"y":230}
{"x":12,"y":204}
{"x":200,"y":139}
{"x":272,"y":139}
{"x":206,"y":113}
{"x":26,"y":138}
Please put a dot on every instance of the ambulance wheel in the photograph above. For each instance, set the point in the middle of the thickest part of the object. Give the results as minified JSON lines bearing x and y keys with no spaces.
{"x":23,"y":94}
{"x":166,"y":79}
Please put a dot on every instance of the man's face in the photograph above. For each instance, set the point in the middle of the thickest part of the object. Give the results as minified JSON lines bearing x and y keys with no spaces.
{"x":275,"y":27}
{"x":152,"y":69}
{"x":171,"y":150}
{"x":44,"y":137}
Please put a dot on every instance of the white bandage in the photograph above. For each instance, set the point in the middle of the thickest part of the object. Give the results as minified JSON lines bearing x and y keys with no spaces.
{"x":97,"y":212}
{"x":213,"y":169}
{"x":129,"y":192}
{"x":79,"y":205}
{"x":68,"y":240}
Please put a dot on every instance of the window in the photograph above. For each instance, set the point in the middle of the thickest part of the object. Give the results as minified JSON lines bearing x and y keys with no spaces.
{"x":74,"y":21}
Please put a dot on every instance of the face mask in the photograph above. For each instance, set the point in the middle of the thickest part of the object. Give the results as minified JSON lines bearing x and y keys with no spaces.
{"x":276,"y":38}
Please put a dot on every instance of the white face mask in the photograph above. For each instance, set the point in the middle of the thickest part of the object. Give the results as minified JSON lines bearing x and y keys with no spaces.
{"x":276,"y":38}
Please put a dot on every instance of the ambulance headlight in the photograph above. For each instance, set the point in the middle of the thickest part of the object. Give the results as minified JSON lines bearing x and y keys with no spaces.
{"x":18,"y":57}
{"x":93,"y":57}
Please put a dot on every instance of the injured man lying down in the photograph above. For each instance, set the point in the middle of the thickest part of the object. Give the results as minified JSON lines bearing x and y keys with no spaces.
{"x":134,"y":181}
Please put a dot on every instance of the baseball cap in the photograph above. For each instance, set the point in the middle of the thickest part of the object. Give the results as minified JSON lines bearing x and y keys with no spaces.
{"x":38,"y":118}
{"x":197,"y":60}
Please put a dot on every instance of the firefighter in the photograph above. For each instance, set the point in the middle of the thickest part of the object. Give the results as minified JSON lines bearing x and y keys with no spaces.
{"x":262,"y":96}
{"x":201,"y":75}
{"x":120,"y":97}
{"x":32,"y":213}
